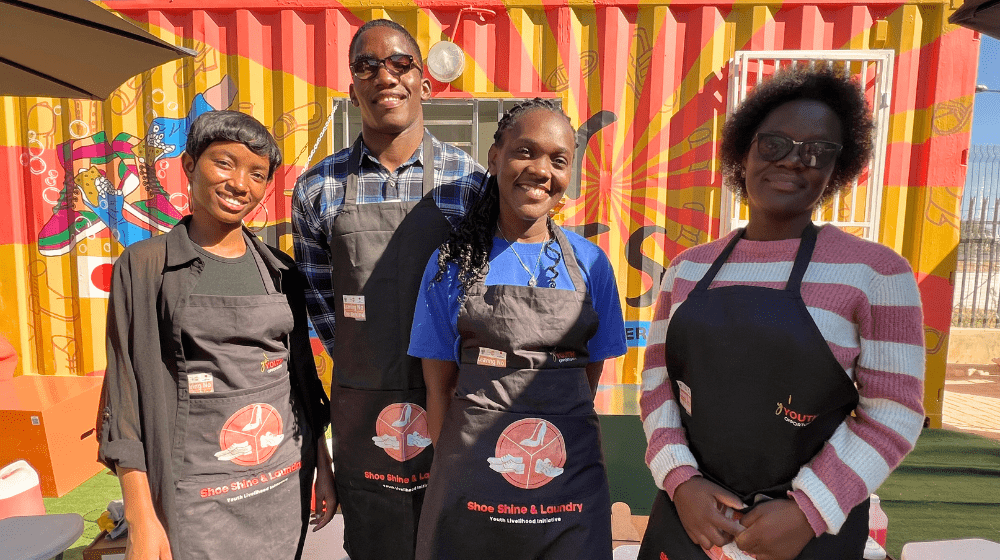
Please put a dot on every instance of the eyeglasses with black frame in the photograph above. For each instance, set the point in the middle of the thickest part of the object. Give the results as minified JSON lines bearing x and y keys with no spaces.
{"x":816,"y":154}
{"x":366,"y":67}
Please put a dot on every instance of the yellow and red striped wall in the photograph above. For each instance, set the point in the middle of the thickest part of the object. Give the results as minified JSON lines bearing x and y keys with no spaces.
{"x":650,"y":183}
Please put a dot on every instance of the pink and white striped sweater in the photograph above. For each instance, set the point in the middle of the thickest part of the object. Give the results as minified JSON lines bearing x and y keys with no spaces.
{"x":864,"y":299}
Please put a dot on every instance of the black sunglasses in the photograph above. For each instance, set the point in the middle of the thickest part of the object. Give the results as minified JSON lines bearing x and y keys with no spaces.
{"x":366,"y":67}
{"x":815,"y":154}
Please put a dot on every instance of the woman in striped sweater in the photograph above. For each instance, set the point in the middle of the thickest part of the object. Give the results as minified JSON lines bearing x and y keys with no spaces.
{"x":784,"y":375}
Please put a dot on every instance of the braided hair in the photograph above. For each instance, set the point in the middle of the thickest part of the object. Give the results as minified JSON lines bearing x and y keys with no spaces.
{"x":470,"y":243}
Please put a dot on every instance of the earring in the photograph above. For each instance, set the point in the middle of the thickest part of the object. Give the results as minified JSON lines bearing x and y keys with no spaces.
{"x":743,"y":173}
{"x":558,"y":207}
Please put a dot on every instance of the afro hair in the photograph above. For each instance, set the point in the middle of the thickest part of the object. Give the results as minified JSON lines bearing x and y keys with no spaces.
{"x":830,"y":84}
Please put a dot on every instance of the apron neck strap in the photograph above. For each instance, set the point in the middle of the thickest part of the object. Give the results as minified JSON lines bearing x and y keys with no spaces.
{"x":706,"y":280}
{"x":353,"y":171}
{"x":427,"y":159}
{"x":265,"y":273}
{"x":569,"y":256}
{"x":802,"y":258}
{"x":354,"y":168}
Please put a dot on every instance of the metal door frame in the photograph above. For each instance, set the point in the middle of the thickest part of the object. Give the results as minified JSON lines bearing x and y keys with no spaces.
{"x":882,"y":59}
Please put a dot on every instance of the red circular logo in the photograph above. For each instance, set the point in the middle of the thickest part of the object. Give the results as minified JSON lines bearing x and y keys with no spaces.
{"x":530,"y":453}
{"x":101,"y":277}
{"x":402,"y":431}
{"x":251,"y":435}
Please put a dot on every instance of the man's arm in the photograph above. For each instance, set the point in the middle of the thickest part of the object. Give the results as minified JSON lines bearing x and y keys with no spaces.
{"x":312,"y":256}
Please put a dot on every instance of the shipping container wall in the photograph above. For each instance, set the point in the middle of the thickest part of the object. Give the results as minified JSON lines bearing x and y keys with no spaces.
{"x":647,"y":85}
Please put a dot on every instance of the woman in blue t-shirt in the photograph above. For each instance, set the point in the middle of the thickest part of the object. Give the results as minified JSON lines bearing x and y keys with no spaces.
{"x":514,"y":321}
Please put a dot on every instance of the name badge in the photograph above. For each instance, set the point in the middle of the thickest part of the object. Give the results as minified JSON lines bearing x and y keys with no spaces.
{"x":492,"y":358}
{"x":354,"y":307}
{"x":199,"y":383}
{"x":684,"y":396}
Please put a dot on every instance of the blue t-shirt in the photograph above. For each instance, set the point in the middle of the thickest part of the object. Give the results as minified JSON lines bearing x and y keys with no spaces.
{"x":435,"y":320}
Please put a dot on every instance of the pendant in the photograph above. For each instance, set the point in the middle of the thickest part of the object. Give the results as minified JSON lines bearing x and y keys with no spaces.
{"x":532,"y":283}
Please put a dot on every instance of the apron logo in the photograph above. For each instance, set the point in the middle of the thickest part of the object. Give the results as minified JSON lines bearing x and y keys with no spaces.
{"x":529,"y":453}
{"x":492,"y":358}
{"x":200,"y":383}
{"x":684,"y":396}
{"x":402,"y":431}
{"x":354,"y":307}
{"x":563,"y":357}
{"x":792,"y":417}
{"x":251,"y":435}
{"x":270,"y":365}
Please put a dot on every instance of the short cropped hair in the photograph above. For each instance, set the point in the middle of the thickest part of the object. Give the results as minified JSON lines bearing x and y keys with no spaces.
{"x":351,"y":51}
{"x":831,"y":85}
{"x":233,"y":126}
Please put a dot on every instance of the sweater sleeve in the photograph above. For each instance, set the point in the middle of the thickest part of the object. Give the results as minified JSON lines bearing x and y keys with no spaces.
{"x":869,"y":444}
{"x":667,"y":454}
{"x":119,"y":426}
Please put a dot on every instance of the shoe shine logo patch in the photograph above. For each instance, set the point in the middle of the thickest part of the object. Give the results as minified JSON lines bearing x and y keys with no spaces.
{"x":251,"y":435}
{"x":530,"y":453}
{"x":401,"y":430}
{"x":792,"y":417}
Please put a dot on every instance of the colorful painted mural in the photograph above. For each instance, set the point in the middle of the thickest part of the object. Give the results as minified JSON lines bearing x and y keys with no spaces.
{"x":646,"y":84}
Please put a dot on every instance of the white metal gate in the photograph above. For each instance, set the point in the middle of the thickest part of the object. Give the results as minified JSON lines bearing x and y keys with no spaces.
{"x":859,"y":209}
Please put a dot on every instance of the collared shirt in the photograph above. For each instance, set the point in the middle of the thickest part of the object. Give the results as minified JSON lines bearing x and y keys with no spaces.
{"x":152,"y":279}
{"x":319,"y":198}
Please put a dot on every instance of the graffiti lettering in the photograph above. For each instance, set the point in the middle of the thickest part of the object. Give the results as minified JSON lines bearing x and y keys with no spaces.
{"x":637,"y":260}
{"x":587,"y":130}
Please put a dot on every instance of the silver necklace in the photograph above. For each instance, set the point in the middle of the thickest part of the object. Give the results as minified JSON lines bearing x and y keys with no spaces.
{"x":533,"y":281}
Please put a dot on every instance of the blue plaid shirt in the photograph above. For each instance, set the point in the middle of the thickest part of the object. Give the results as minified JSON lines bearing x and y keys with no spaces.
{"x":319,"y":198}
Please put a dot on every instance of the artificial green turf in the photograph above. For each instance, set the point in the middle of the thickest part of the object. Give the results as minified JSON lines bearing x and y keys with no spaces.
{"x":90,"y":499}
{"x":947,"y":488}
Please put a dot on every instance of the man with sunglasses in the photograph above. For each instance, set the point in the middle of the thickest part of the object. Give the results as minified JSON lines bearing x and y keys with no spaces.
{"x":366,"y":220}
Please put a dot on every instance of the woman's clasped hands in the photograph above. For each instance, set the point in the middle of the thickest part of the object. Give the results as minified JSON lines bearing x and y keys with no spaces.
{"x":774,"y":530}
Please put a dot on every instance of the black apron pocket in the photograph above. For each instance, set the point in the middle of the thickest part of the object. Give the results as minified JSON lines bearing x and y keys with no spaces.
{"x":526,"y":486}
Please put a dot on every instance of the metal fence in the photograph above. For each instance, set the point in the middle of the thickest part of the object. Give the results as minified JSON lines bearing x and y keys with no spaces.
{"x":976,"y":301}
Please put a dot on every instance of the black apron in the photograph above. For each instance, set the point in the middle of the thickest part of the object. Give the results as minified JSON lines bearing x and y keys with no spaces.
{"x":242,"y":448}
{"x":518,"y":472}
{"x":381,"y":445}
{"x":759,"y":392}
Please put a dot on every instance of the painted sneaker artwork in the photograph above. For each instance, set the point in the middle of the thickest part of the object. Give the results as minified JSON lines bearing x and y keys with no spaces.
{"x":101,"y":180}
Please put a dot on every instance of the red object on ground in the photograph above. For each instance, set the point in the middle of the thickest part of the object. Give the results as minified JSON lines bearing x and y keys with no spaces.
{"x":20,"y":492}
{"x":49,"y":422}
{"x":878,"y":521}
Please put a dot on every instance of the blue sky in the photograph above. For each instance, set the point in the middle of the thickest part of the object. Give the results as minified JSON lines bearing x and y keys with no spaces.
{"x":986,"y":111}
